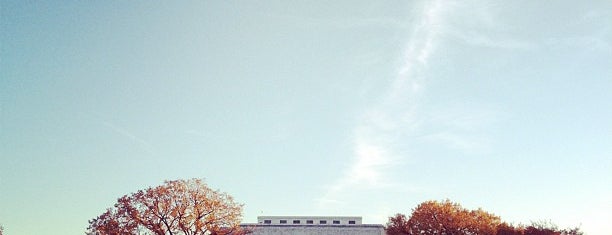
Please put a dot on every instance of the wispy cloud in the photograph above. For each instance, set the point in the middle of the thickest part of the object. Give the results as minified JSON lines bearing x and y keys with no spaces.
{"x":340,"y":23}
{"x":474,"y":38}
{"x":588,"y":43}
{"x":478,"y":24}
{"x":124,"y":132}
{"x":143,"y":144}
{"x":463,"y":127}
{"x":376,"y":134}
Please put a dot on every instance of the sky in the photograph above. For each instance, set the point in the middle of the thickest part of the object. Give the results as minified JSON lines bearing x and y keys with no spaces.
{"x":362,"y":108}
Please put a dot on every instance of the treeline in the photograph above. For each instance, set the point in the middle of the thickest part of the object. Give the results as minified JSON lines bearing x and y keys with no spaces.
{"x":449,"y":218}
{"x":190,"y":207}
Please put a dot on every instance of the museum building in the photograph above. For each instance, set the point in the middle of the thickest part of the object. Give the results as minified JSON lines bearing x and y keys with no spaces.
{"x":313,"y":225}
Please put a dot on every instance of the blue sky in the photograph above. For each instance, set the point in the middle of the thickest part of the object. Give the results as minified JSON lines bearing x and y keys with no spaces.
{"x":302,"y":108}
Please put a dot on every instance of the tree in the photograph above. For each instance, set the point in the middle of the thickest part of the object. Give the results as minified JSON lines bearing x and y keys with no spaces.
{"x":542,"y":228}
{"x":506,"y":229}
{"x":448,"y":218}
{"x":186,"y":207}
{"x":398,"y":225}
{"x":1,"y":230}
{"x":548,"y":228}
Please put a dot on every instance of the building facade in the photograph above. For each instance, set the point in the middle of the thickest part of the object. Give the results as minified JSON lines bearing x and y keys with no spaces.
{"x":313,"y":225}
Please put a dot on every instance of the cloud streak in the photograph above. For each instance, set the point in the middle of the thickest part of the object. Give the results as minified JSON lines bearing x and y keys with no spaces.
{"x":375,"y":134}
{"x":143,"y":144}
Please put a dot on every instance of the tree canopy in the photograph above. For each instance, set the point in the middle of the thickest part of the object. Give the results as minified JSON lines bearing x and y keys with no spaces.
{"x":448,"y":218}
{"x":186,"y":207}
{"x":398,"y":225}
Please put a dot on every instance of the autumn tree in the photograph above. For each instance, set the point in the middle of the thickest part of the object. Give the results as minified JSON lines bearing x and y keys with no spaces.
{"x":185,"y":207}
{"x":542,"y":228}
{"x":444,"y":218}
{"x":548,"y":228}
{"x":398,"y":225}
{"x":507,"y":229}
{"x":448,"y":218}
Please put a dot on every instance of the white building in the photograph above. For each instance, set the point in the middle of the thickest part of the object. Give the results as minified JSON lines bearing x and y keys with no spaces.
{"x":313,"y":225}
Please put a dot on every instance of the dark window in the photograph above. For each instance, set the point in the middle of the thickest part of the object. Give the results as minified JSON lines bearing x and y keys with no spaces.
{"x":267,"y":221}
{"x":336,"y":221}
{"x":283,"y":221}
{"x":296,"y":221}
{"x":351,"y":222}
{"x":323,"y":222}
{"x":309,"y":221}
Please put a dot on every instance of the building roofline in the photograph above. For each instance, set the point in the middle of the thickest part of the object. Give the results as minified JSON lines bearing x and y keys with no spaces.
{"x":313,"y":225}
{"x":306,"y":216}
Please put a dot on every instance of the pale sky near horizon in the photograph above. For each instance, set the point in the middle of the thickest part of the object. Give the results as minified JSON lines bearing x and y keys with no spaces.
{"x":362,"y":108}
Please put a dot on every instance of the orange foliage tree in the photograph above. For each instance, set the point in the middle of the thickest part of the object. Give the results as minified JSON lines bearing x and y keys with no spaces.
{"x":398,"y":225}
{"x":506,"y":229}
{"x":446,"y":217}
{"x":186,"y":207}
